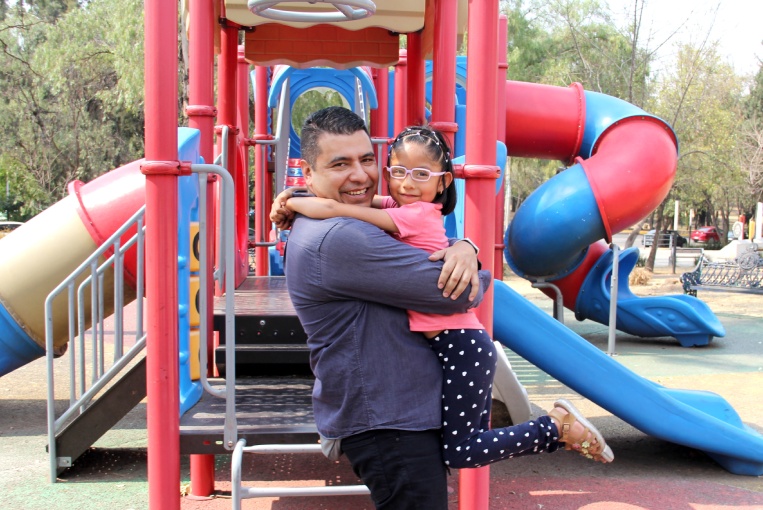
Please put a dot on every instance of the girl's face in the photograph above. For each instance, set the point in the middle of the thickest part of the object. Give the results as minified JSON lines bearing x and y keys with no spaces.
{"x":407,"y":191}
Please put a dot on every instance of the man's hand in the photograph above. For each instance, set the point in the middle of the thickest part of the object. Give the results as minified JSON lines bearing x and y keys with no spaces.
{"x":460,"y":270}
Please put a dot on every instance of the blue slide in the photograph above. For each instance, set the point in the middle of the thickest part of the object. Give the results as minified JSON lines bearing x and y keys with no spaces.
{"x":683,"y":317}
{"x":697,"y":419}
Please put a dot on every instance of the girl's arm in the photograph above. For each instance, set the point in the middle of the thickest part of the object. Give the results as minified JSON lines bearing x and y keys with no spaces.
{"x":323,"y":208}
{"x":279,"y":213}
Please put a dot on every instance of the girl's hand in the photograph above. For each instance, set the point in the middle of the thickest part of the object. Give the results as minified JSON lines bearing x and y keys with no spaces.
{"x":459,"y":271}
{"x":280,"y":214}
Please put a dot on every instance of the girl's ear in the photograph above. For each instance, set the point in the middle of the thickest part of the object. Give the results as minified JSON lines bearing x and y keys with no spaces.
{"x":447,"y":180}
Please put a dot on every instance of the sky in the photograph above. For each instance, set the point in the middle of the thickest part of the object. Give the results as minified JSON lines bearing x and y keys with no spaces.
{"x":736,"y":24}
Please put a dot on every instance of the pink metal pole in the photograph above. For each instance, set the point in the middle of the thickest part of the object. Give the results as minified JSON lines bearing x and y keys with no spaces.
{"x":481,"y":172}
{"x":401,"y":92}
{"x":201,"y":115}
{"x":416,"y":104}
{"x":161,"y":168}
{"x":444,"y":68}
{"x":260,"y":166}
{"x":227,"y":100}
{"x":241,"y":176}
{"x":500,"y":199}
{"x":380,"y":116}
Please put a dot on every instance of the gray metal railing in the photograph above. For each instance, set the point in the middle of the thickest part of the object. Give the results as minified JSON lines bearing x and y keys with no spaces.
{"x":239,"y":492}
{"x":227,"y":280}
{"x":92,"y":273}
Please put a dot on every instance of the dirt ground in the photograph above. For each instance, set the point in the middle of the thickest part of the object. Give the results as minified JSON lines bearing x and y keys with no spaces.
{"x":663,"y":282}
{"x":113,"y":474}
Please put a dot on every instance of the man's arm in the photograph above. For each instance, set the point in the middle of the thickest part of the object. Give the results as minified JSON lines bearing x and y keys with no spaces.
{"x":359,"y":261}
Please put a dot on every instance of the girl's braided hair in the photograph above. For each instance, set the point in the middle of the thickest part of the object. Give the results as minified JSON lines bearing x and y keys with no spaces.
{"x":437,"y":148}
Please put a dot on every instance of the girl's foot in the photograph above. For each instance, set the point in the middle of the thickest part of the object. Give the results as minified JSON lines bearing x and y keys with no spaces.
{"x":579,"y":434}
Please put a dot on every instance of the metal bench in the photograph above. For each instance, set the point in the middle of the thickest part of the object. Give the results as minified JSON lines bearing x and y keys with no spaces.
{"x":742,"y":274}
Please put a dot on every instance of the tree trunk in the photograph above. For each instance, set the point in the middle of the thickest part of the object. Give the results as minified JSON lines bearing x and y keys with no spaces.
{"x":634,"y":234}
{"x":655,"y":242}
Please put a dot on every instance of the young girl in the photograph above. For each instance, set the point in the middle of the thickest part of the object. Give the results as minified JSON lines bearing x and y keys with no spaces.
{"x":419,"y":173}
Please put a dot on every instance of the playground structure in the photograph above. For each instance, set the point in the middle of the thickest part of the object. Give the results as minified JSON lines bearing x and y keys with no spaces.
{"x":622,"y":165}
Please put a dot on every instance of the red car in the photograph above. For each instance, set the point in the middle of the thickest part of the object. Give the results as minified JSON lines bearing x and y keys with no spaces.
{"x":706,"y":235}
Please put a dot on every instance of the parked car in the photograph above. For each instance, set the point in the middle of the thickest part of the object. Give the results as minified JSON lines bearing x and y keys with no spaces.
{"x":706,"y":235}
{"x":664,"y":240}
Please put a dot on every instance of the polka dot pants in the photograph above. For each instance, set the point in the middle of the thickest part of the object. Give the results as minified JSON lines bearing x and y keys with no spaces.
{"x":468,"y":360}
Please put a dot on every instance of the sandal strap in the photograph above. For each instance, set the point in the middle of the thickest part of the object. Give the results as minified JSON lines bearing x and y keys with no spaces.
{"x":588,"y":447}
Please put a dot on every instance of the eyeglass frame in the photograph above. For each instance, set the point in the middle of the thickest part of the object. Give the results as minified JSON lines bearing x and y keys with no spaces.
{"x":409,"y":171}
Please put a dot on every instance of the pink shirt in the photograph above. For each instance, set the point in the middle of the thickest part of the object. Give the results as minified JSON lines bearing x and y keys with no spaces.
{"x":420,"y":225}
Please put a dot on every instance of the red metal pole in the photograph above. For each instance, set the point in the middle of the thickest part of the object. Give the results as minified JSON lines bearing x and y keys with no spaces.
{"x":227,"y":85}
{"x":241,"y":175}
{"x":480,"y":171}
{"x":401,"y":92}
{"x":416,"y":104}
{"x":161,"y":112}
{"x":444,"y":68}
{"x":380,"y":116}
{"x":201,"y":115}
{"x":500,"y":199}
{"x":227,"y":99}
{"x":260,"y":166}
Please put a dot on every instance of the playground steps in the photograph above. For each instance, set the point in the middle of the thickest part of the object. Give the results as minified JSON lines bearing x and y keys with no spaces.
{"x":101,"y":415}
{"x":269,"y":410}
{"x":269,"y":337}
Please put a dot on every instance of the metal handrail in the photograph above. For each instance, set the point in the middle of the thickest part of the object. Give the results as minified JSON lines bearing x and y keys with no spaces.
{"x":239,"y":492}
{"x":231,"y":427}
{"x":101,"y":376}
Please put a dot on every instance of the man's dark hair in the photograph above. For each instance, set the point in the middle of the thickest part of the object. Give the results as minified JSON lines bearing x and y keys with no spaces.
{"x":334,"y":120}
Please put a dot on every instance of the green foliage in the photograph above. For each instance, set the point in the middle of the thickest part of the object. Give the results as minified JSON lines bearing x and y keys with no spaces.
{"x":19,"y":192}
{"x":557,"y":42}
{"x":73,"y":88}
{"x":312,"y":101}
{"x":701,"y":100}
{"x":754,"y":101}
{"x":563,"y":41}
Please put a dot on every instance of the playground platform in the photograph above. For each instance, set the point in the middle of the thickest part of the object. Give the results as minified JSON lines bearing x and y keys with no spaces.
{"x":647,"y":473}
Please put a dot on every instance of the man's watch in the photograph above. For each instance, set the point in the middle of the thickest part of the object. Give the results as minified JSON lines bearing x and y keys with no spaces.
{"x":467,"y":240}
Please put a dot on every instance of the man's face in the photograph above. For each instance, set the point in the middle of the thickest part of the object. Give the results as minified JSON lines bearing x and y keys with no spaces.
{"x":345,"y":169}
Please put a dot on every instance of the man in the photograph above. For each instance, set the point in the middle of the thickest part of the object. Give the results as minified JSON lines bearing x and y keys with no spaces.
{"x":377,"y":384}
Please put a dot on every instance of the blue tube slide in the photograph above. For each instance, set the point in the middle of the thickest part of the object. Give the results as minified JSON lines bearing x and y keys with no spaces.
{"x":549,"y":237}
{"x":697,"y":419}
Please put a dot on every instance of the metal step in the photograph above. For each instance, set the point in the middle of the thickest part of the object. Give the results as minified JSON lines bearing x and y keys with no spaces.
{"x":267,"y":359}
{"x":101,"y":415}
{"x":268,"y":333}
{"x":268,"y":410}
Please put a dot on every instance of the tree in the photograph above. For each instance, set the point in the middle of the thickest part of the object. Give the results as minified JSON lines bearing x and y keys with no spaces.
{"x":701,"y":97}
{"x":564,"y":41}
{"x":73,"y":89}
{"x":750,"y":149}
